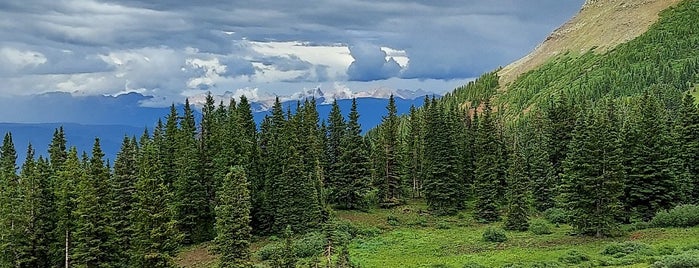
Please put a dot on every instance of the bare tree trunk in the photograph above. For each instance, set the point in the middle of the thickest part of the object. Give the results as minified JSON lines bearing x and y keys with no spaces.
{"x":67,"y":249}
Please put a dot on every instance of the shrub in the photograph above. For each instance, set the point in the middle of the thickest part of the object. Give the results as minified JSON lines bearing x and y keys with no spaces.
{"x":473,"y":265}
{"x":636,"y":226}
{"x":493,"y":234}
{"x":556,"y":215}
{"x":310,"y":245}
{"x":574,"y":257}
{"x":619,"y":250}
{"x":688,"y":259}
{"x":540,"y":228}
{"x":392,"y":220}
{"x":443,"y":225}
{"x":680,"y":216}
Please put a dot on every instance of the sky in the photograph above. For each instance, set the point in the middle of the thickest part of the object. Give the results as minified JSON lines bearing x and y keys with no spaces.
{"x":175,"y":49}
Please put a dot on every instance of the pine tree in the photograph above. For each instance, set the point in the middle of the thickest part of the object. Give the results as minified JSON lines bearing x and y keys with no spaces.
{"x":443,"y":187}
{"x":593,"y":174}
{"x":66,"y":194}
{"x":209,"y":143}
{"x":333,"y":152}
{"x":539,"y":166}
{"x":233,"y":220}
{"x":155,"y":236}
{"x":487,"y":168}
{"x":11,"y":237}
{"x":415,"y":152}
{"x":121,"y":198}
{"x":650,"y":186}
{"x":353,"y":180}
{"x":686,"y":142}
{"x":390,"y":190}
{"x":190,"y":196}
{"x":518,"y":195}
{"x":92,"y":231}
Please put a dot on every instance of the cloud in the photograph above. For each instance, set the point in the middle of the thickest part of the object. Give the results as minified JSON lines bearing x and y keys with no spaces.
{"x":370,"y":63}
{"x":172,"y":49}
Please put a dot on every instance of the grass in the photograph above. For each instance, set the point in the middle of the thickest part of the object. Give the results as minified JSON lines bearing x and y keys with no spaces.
{"x":410,"y":245}
{"x":407,"y":236}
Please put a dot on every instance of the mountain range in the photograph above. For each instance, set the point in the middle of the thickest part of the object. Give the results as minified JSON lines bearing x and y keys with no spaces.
{"x":32,"y":119}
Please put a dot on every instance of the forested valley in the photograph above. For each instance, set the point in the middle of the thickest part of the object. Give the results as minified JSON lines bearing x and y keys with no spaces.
{"x":605,"y":144}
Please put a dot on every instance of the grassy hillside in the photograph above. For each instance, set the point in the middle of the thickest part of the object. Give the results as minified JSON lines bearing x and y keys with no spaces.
{"x":601,"y":25}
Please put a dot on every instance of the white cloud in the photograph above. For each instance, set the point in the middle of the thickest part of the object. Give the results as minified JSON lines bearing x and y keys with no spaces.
{"x":14,"y":59}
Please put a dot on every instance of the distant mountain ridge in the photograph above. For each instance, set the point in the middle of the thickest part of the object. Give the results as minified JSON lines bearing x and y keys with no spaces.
{"x":112,"y":117}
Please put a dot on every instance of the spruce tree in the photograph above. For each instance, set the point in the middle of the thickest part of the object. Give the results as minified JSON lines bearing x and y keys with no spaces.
{"x":190,"y":197}
{"x":33,"y":249}
{"x":686,"y":142}
{"x":353,"y":180}
{"x":121,"y":199}
{"x":390,"y":190}
{"x":67,"y":178}
{"x":333,"y":152}
{"x":518,"y":194}
{"x":11,"y":238}
{"x":155,"y":236}
{"x":92,"y":234}
{"x":544,"y":183}
{"x":593,"y":174}
{"x":650,"y":186}
{"x":233,"y":220}
{"x":443,"y":187}
{"x":487,"y":168}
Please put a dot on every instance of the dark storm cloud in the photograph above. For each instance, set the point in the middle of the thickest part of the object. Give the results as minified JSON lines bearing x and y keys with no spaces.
{"x":443,"y":39}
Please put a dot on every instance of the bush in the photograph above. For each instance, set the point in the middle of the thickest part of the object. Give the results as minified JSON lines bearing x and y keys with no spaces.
{"x":680,"y":216}
{"x":309,"y":245}
{"x":556,"y":215}
{"x":574,"y":257}
{"x":392,"y":220}
{"x":636,"y":226}
{"x":619,"y":250}
{"x":540,"y":228}
{"x":493,"y":234}
{"x":473,"y":265}
{"x":443,"y":225}
{"x":688,"y":259}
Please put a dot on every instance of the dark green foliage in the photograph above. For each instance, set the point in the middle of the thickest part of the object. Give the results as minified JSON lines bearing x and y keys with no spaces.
{"x":390,"y":183}
{"x":190,"y":195}
{"x":444,"y":189}
{"x":353,"y":177}
{"x":233,"y":220}
{"x":574,"y":257}
{"x":209,"y":146}
{"x":121,"y":198}
{"x":686,"y":135}
{"x":593,"y":178}
{"x":518,"y":196}
{"x":93,"y":236}
{"x":557,"y":215}
{"x":155,"y":233}
{"x":687,"y":259}
{"x":540,"y":228}
{"x":12,"y":241}
{"x":493,"y":234}
{"x":68,"y":176}
{"x":650,"y":186}
{"x":619,"y":250}
{"x":489,"y":169}
{"x":336,"y":129}
{"x":680,"y":216}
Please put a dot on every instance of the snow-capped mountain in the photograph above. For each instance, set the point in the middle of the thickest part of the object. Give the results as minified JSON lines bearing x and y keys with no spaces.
{"x":263,"y":101}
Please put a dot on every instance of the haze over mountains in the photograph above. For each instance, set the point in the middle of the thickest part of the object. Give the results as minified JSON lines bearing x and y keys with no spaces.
{"x":32,"y":119}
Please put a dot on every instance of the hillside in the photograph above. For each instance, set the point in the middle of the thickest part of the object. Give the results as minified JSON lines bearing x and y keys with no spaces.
{"x":599,"y":25}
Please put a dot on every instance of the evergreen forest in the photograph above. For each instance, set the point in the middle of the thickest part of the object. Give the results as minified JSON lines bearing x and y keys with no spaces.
{"x":602,"y":143}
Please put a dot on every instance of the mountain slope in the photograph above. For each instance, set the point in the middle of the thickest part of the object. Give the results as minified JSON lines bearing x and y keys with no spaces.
{"x":600,"y":25}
